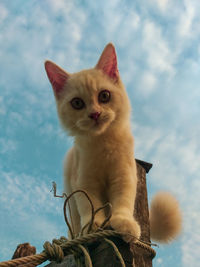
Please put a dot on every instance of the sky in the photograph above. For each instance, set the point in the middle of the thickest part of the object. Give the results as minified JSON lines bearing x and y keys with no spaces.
{"x":158,"y":48}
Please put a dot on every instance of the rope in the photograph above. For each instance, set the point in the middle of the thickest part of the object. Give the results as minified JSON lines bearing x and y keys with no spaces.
{"x":37,"y":259}
{"x":63,"y":247}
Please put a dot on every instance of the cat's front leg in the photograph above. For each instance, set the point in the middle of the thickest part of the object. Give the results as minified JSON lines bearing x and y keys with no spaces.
{"x":85,"y":210}
{"x":122,"y":193}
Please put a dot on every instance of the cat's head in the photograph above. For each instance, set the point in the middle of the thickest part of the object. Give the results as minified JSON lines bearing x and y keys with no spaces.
{"x":90,"y":101}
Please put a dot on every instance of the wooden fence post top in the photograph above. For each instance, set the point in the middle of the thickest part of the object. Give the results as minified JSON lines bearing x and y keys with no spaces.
{"x":146,"y":165}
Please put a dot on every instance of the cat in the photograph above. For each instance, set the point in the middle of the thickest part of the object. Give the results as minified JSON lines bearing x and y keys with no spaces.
{"x":94,"y":108}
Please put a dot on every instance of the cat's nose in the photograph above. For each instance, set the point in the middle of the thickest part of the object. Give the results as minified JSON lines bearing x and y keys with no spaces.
{"x":95,"y":115}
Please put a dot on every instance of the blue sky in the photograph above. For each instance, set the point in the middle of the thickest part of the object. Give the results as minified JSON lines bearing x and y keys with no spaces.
{"x":158,"y":47}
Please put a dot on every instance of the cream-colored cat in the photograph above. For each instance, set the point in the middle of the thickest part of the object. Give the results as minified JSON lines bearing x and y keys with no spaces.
{"x":94,"y":108}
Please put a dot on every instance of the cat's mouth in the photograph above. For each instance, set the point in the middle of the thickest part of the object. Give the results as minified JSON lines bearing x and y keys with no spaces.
{"x":100,"y":121}
{"x":95,"y":126}
{"x":99,"y":126}
{"x":97,"y":123}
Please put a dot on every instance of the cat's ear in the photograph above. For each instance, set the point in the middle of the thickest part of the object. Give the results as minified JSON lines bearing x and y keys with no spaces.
{"x":108,"y":62}
{"x":57,"y":76}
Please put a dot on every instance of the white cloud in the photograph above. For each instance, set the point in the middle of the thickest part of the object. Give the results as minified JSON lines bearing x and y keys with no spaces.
{"x":26,"y":194}
{"x":45,"y":229}
{"x":7,"y":145}
{"x":3,"y":13}
{"x":159,"y":261}
{"x":35,"y":229}
{"x":8,"y":248}
{"x":186,"y":19}
{"x":120,"y":22}
{"x":31,"y":204}
{"x":176,"y":169}
{"x":2,"y":106}
{"x":159,"y":56}
{"x":190,"y":244}
{"x":148,"y":83}
{"x":146,"y":139}
{"x":162,"y":4}
{"x":133,"y":20}
{"x":61,"y":5}
{"x":174,"y":160}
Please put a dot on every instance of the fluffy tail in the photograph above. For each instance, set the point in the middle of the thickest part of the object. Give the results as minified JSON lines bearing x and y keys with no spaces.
{"x":165,"y":218}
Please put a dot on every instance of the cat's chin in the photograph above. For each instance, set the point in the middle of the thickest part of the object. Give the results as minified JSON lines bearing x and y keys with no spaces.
{"x":94,"y":128}
{"x":97,"y":129}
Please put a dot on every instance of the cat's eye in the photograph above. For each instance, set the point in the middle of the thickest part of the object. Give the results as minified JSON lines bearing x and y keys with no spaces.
{"x":77,"y":103}
{"x":104,"y":96}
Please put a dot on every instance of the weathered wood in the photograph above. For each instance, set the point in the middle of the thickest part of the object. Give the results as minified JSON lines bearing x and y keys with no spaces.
{"x":102,"y":253}
{"x":141,"y":214}
{"x":146,"y":165}
{"x":24,"y":250}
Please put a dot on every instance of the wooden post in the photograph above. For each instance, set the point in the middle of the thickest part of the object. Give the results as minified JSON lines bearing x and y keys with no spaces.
{"x":102,"y":254}
{"x":141,"y":213}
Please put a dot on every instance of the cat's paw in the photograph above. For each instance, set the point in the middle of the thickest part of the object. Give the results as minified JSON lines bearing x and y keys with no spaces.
{"x":129,"y":228}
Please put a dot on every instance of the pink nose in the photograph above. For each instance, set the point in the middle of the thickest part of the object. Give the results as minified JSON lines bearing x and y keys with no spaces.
{"x":94,"y":115}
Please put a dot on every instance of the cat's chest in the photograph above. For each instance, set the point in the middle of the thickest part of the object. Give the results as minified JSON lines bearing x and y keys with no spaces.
{"x":96,"y":163}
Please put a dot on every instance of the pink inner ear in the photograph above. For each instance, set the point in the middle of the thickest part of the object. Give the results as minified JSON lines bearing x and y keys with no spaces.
{"x":56,"y":75}
{"x":108,"y":62}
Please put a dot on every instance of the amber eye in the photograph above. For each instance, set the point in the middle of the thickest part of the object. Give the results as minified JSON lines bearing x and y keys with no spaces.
{"x":77,"y":103}
{"x":104,"y":96}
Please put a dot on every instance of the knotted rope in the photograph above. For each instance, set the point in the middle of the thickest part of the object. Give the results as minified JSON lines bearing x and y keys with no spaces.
{"x":59,"y":248}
